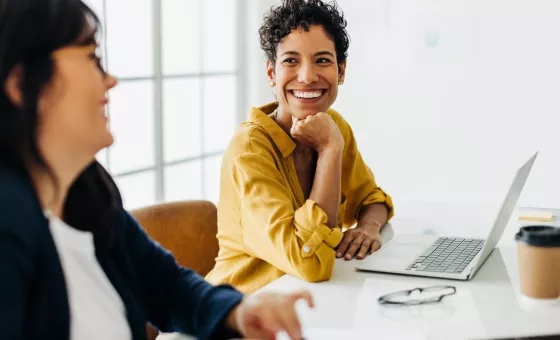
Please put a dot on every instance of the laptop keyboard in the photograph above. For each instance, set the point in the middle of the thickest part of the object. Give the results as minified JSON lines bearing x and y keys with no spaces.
{"x":447,"y":255}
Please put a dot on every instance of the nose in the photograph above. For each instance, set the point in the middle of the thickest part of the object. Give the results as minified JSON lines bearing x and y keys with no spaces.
{"x":110,"y":81}
{"x":307,"y":74}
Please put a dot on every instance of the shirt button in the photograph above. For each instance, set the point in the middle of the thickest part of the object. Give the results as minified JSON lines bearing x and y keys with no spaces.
{"x":306,"y":249}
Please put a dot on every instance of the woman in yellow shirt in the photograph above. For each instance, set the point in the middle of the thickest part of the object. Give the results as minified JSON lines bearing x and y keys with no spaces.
{"x":292,"y":176}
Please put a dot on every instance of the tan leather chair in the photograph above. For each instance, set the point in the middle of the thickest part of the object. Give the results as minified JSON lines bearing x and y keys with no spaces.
{"x":187,"y":229}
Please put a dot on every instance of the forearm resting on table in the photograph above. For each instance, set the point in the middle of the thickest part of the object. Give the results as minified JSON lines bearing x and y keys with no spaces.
{"x":376,"y":213}
{"x":326,"y":184}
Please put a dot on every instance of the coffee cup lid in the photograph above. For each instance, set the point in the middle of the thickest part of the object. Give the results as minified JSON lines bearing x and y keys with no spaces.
{"x":539,"y":235}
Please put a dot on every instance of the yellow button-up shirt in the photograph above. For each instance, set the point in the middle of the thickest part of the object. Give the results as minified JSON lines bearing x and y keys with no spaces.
{"x":266,"y":228}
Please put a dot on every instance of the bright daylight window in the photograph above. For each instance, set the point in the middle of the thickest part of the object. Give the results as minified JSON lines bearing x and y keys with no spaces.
{"x":178,"y":74}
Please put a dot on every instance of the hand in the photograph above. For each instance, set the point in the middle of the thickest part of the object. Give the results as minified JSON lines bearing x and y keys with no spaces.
{"x":361,"y":240}
{"x":319,"y":132}
{"x":262,"y":315}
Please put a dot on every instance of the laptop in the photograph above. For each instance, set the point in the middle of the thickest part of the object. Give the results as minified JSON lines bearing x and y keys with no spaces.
{"x":450,"y":257}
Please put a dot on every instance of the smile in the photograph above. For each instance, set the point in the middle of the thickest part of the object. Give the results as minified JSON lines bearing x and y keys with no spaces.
{"x":307,"y":94}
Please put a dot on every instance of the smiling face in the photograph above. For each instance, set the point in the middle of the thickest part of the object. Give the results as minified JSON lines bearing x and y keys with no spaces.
{"x":306,"y":73}
{"x":73,"y":106}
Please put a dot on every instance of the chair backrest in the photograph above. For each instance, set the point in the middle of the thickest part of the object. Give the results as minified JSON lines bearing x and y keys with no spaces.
{"x":188,"y":230}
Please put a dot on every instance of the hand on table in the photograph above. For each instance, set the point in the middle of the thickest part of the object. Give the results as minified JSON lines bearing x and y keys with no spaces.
{"x":360,"y":241}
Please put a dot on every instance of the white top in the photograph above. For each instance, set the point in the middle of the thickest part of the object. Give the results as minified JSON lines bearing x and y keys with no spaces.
{"x":96,"y":309}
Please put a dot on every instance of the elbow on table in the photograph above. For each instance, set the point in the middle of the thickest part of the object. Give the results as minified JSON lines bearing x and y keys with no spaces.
{"x":315,"y":271}
{"x":316,"y":277}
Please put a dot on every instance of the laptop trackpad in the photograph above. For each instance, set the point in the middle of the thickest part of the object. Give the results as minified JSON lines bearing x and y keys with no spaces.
{"x":405,"y":247}
{"x":397,"y":254}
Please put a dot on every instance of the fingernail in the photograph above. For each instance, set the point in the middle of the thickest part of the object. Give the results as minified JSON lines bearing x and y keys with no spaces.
{"x":339,"y":254}
{"x":348,"y":257}
{"x":360,"y":255}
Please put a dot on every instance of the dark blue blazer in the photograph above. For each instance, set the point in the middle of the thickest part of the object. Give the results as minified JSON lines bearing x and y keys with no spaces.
{"x":153,"y":287}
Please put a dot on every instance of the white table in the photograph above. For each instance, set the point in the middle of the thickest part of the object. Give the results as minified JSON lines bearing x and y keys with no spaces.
{"x":485,"y":307}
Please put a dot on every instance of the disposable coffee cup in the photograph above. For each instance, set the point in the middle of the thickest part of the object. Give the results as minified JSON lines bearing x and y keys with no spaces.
{"x":538,"y":251}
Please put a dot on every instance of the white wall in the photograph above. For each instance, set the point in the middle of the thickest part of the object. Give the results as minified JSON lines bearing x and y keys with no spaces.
{"x":258,"y":93}
{"x":447,"y":98}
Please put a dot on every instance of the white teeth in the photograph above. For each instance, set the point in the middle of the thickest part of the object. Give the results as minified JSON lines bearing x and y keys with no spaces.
{"x":307,"y":94}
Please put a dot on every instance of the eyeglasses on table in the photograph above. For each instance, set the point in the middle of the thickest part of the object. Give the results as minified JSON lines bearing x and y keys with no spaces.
{"x":417,"y":296}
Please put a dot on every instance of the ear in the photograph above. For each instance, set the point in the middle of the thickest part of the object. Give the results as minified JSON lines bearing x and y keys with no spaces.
{"x":270,"y":71}
{"x":12,"y":86}
{"x":342,"y":71}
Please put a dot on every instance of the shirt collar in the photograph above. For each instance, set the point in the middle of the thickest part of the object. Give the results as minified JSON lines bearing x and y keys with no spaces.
{"x":283,"y":141}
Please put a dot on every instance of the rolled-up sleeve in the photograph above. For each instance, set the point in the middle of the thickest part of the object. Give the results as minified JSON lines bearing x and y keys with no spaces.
{"x":311,"y":227}
{"x":296,"y":241}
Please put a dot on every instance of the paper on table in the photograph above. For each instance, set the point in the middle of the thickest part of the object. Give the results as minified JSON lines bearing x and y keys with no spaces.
{"x":358,"y":334}
{"x":456,"y":309}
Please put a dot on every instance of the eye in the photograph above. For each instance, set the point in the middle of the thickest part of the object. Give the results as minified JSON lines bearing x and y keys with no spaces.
{"x":290,"y":61}
{"x":324,"y":61}
{"x":97,"y":61}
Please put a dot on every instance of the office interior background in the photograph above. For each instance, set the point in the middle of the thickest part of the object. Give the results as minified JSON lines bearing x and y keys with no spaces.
{"x":447,"y":98}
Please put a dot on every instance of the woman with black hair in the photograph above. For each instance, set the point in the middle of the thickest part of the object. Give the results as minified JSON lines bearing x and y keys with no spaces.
{"x":73,"y":263}
{"x":292,"y":177}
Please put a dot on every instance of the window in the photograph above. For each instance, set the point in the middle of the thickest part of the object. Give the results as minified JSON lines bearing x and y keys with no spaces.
{"x":177,"y":65}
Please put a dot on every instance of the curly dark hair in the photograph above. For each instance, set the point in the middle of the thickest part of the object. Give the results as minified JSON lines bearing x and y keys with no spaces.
{"x":293,"y":14}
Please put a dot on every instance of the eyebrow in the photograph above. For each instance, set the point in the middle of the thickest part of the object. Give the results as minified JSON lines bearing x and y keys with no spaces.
{"x":316,"y":54}
{"x":323,"y":53}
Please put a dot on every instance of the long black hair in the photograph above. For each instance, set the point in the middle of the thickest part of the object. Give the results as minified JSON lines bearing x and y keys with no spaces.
{"x":30,"y":30}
